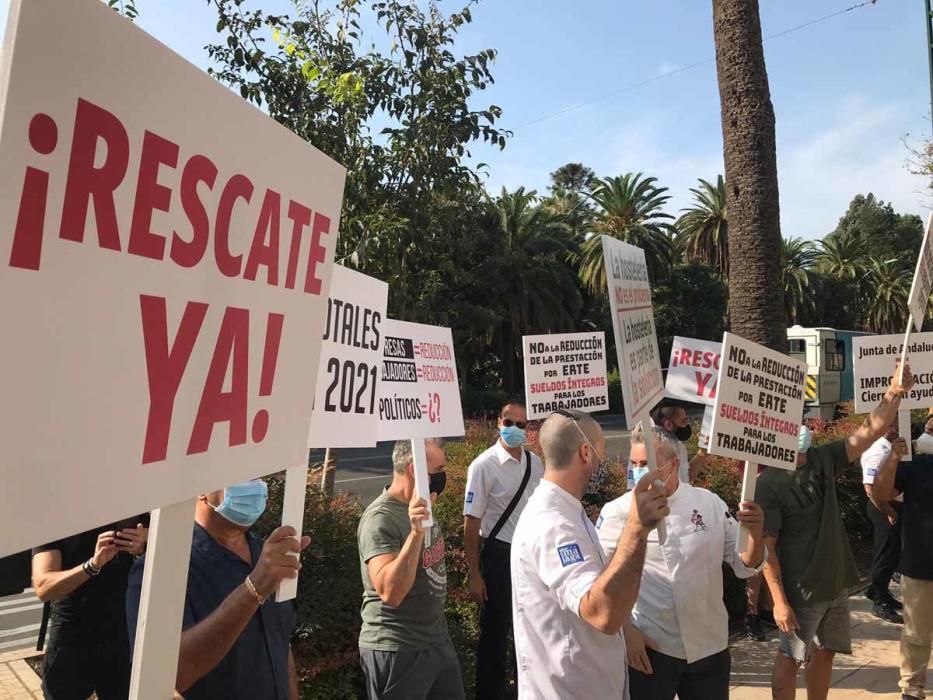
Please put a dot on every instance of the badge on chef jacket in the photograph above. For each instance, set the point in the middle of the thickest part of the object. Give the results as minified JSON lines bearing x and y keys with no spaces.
{"x":570,"y":554}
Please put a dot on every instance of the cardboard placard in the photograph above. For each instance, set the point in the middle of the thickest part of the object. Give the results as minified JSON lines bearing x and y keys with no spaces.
{"x":345,"y":398}
{"x":923,"y":279}
{"x":759,"y":404}
{"x":563,"y":371}
{"x":165,"y":258}
{"x":693,"y":370}
{"x":874,"y":359}
{"x":705,"y":428}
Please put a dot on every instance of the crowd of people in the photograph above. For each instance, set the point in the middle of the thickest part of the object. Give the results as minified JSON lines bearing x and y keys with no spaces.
{"x":628,"y":607}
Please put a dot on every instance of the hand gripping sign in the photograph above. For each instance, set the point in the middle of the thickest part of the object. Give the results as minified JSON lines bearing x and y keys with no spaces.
{"x":419,"y":394}
{"x":565,"y":370}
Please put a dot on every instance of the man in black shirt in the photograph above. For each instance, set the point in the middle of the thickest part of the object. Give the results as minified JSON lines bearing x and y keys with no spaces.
{"x":84,"y":576}
{"x":914,"y":479}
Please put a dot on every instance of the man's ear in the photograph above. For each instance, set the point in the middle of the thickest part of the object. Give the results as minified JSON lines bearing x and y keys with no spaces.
{"x":410,"y":469}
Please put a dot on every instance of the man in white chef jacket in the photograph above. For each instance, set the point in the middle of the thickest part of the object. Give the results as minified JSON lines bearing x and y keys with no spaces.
{"x":677,"y":639}
{"x":569,"y":600}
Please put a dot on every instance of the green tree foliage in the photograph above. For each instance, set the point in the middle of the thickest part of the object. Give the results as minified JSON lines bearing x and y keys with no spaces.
{"x":568,"y":197}
{"x":691,"y":303}
{"x":884,"y":292}
{"x":127,"y":8}
{"x":703,"y":230}
{"x":797,"y":257}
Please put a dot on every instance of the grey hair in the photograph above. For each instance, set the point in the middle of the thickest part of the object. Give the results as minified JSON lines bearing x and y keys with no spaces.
{"x":665,"y":444}
{"x":401,"y":453}
{"x":561,"y":437}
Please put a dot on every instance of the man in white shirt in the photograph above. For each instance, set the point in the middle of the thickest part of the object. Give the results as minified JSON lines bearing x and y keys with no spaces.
{"x":499,"y":483}
{"x":885,"y":522}
{"x":925,"y":440}
{"x":569,"y":600}
{"x":678,"y":637}
{"x":674,"y":420}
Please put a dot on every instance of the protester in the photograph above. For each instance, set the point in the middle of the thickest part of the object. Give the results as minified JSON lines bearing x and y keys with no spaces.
{"x":569,"y":600}
{"x":674,"y":420}
{"x":235,"y":640}
{"x":886,"y":524}
{"x":925,"y":440}
{"x":405,"y":648}
{"x":85,"y":578}
{"x":914,"y":480}
{"x":810,"y":577}
{"x":498,"y":485}
{"x":678,"y":638}
{"x":753,"y":629}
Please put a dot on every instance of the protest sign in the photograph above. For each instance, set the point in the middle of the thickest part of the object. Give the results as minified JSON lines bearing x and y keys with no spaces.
{"x":693,"y":370}
{"x":923,"y":280}
{"x":565,"y":370}
{"x":759,"y":404}
{"x":705,"y":427}
{"x":345,"y":409}
{"x":633,"y":325}
{"x":874,"y":361}
{"x":164,"y":276}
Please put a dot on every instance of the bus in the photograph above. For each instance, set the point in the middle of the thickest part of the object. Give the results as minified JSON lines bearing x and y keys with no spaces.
{"x":828,"y":354}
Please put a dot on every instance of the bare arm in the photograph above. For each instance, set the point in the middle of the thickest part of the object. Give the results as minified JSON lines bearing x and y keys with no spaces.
{"x":292,"y":677}
{"x":471,"y":543}
{"x":772,"y":572}
{"x":393,"y":575}
{"x":883,"y":506}
{"x":696,"y":464}
{"x":880,"y":418}
{"x":50,"y":582}
{"x":884,"y":480}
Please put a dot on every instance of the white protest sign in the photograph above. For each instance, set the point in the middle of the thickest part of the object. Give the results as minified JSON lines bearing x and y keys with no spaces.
{"x":874,"y":361}
{"x":759,"y":404}
{"x":693,"y":370}
{"x":706,"y":427}
{"x":923,"y":279}
{"x":345,"y":398}
{"x":565,"y":370}
{"x":633,"y":325}
{"x":165,"y":257}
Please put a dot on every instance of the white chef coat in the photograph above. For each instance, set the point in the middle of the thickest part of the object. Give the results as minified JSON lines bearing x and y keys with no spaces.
{"x":684,"y":472}
{"x":925,"y":444}
{"x":680,"y":599}
{"x":873,"y":458}
{"x":492,"y":480}
{"x":556,"y":558}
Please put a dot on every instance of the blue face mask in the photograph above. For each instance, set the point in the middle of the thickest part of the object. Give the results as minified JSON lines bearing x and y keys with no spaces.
{"x":638,"y":473}
{"x":244,"y":503}
{"x":512,"y":436}
{"x":804,"y":439}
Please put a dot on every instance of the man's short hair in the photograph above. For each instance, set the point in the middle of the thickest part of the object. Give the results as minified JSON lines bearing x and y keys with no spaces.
{"x":401,"y":453}
{"x":560,"y":437}
{"x":665,"y":444}
{"x":512,"y":402}
{"x":664,"y":411}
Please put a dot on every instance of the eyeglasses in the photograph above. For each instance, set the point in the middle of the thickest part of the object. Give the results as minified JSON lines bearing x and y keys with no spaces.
{"x":508,"y":423}
{"x":575,"y":417}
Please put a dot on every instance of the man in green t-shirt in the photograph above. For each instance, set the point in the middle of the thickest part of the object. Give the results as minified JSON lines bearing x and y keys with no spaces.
{"x":811,"y":575}
{"x":405,"y":649}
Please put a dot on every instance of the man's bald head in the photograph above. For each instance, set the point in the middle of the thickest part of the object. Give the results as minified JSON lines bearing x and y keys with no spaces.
{"x":561,"y":439}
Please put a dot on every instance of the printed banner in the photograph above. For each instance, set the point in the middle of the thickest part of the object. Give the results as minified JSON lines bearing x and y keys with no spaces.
{"x":874,"y":361}
{"x":565,"y":370}
{"x":165,"y":257}
{"x":693,"y":370}
{"x":759,"y":404}
{"x":345,"y":410}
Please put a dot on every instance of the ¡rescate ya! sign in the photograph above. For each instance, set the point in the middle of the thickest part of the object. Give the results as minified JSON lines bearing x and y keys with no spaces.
{"x":693,"y":370}
{"x":165,"y":256}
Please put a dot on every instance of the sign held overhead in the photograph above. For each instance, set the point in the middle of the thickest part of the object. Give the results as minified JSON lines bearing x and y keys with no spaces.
{"x":563,"y":371}
{"x":923,"y":279}
{"x":874,"y":359}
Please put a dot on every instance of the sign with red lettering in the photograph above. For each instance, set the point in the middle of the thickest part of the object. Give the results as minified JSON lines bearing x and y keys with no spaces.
{"x":419,"y":393}
{"x":633,"y":325}
{"x":345,"y":411}
{"x":565,"y":370}
{"x":693,"y":370}
{"x":759,"y":404}
{"x":165,"y":257}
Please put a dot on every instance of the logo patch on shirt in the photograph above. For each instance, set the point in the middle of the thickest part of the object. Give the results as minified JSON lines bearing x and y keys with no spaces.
{"x":469,"y":497}
{"x":697,"y":520}
{"x":599,"y":522}
{"x":872,"y":472}
{"x":569,"y":554}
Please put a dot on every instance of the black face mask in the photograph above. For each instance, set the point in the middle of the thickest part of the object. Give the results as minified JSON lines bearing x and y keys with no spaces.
{"x":437,"y":482}
{"x":683,"y":434}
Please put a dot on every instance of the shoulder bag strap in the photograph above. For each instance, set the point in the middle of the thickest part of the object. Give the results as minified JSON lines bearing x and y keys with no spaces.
{"x":507,"y":513}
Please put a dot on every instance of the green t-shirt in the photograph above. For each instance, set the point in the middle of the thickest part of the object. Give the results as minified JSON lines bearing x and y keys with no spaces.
{"x":419,"y":622}
{"x":801,"y":508}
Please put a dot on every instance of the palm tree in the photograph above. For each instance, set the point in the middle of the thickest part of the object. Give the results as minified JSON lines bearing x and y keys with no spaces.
{"x":628,"y":209}
{"x":797,"y":256}
{"x":756,"y":311}
{"x":703,"y":229}
{"x":885,"y":289}
{"x":841,"y":256}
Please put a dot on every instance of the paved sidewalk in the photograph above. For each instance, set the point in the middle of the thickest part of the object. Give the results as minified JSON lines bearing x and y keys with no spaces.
{"x":17,"y":680}
{"x":871,"y":671}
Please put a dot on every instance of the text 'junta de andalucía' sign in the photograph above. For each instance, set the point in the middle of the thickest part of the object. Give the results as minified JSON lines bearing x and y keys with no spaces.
{"x":874,"y":360}
{"x":563,"y":371}
{"x":759,"y":404}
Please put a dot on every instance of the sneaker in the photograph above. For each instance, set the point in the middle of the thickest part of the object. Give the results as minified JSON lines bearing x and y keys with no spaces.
{"x":892,"y":602}
{"x":753,"y":629}
{"x":869,"y":593}
{"x":883,"y":612}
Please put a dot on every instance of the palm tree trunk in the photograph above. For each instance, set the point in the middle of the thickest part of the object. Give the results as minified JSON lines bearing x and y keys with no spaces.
{"x":756,"y":298}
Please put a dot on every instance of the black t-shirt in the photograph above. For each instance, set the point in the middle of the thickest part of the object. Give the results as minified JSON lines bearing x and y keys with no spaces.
{"x":96,"y":609}
{"x":914,"y":479}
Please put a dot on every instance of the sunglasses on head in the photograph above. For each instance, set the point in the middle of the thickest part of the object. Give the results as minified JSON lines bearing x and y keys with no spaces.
{"x":508,"y":423}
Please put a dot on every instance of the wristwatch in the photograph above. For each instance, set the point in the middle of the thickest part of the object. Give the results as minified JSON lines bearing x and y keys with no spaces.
{"x":90,"y":569}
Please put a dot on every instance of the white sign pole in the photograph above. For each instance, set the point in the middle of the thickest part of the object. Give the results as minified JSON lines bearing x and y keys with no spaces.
{"x":422,"y":480}
{"x":748,"y":494}
{"x":903,"y":429}
{"x":903,"y":364}
{"x":293,"y":514}
{"x":162,"y":602}
{"x":648,"y":432}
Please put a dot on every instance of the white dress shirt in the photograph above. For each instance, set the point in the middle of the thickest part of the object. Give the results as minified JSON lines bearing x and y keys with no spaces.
{"x":680,"y":603}
{"x":492,"y":480}
{"x":925,"y":444}
{"x":683,"y":472}
{"x":556,"y":558}
{"x":873,"y":458}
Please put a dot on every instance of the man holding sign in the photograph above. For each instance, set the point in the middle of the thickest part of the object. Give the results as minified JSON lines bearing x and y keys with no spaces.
{"x":810,"y":577}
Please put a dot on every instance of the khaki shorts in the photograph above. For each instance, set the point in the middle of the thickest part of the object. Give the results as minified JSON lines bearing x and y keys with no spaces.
{"x":824,"y":624}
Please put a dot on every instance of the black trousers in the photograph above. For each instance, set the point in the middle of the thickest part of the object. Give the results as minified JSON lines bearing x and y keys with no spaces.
{"x":73,"y":669}
{"x":887,"y":549}
{"x":706,"y":679}
{"x":493,"y":655}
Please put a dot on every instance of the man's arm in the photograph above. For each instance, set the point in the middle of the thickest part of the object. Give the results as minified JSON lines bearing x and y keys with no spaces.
{"x":883,"y":488}
{"x":292,"y":677}
{"x":471,"y":549}
{"x":881,"y":417}
{"x":393,"y":573}
{"x":51,"y":583}
{"x":784,"y":615}
{"x":697,"y":463}
{"x":884,"y":506}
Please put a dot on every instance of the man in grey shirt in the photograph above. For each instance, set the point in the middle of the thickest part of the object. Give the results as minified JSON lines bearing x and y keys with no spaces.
{"x":405,"y":649}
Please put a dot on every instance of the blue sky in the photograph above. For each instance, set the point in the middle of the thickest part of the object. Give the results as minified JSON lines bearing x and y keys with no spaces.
{"x":846,"y":91}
